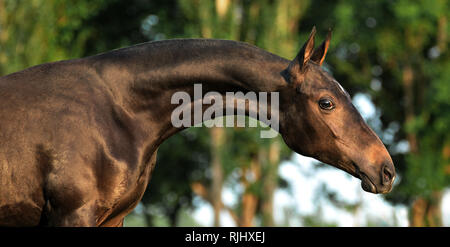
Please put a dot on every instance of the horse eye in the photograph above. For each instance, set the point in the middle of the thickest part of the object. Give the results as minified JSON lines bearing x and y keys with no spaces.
{"x":326,"y":104}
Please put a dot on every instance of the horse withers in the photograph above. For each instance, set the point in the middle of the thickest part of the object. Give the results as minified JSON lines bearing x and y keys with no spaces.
{"x":78,"y":138}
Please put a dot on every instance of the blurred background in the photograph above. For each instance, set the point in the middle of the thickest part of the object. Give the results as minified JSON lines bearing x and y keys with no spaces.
{"x":392,"y":56}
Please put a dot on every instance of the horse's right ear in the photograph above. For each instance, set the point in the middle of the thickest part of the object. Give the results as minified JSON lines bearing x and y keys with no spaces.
{"x":321,"y":51}
{"x":297,"y":66}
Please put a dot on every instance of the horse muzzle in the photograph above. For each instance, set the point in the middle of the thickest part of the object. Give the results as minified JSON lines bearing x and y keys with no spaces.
{"x":378,"y":183}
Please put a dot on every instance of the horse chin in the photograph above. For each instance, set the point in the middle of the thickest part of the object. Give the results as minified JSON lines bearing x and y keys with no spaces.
{"x":367,"y":185}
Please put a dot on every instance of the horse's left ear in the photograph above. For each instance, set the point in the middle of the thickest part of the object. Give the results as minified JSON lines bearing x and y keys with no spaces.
{"x":297,"y":66}
{"x":321,"y":51}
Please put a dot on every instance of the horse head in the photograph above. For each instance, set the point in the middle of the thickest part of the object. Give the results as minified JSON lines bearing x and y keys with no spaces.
{"x":319,"y":120}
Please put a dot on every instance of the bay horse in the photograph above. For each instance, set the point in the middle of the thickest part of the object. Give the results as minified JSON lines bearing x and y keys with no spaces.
{"x":78,"y":138}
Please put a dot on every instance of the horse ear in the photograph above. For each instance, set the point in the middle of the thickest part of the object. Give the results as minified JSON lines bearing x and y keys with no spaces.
{"x":298,"y":64}
{"x":321,"y":51}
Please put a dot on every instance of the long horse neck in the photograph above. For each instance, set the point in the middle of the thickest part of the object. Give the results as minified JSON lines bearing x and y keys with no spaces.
{"x":145,"y":77}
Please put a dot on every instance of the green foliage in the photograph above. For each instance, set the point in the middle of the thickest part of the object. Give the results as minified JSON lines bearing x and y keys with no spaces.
{"x":35,"y":32}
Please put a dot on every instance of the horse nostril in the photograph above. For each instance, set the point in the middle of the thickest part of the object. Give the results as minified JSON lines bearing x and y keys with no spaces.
{"x":388,"y":174}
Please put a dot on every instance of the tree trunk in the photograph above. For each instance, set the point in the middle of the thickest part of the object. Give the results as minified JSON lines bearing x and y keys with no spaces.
{"x":148,"y":217}
{"x":270,"y":183}
{"x":408,"y":89}
{"x":424,"y":211}
{"x":427,"y":212}
{"x":217,"y":141}
{"x":173,"y":215}
{"x":442,"y":34}
{"x":249,"y":199}
{"x":222,"y":7}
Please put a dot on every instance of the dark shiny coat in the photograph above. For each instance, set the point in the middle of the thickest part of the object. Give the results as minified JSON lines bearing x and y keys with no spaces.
{"x":78,"y":138}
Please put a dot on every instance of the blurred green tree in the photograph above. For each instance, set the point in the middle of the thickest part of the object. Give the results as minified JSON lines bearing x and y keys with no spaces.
{"x":28,"y":37}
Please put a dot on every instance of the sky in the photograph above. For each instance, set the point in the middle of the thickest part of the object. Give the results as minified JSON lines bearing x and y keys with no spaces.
{"x":304,"y":179}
